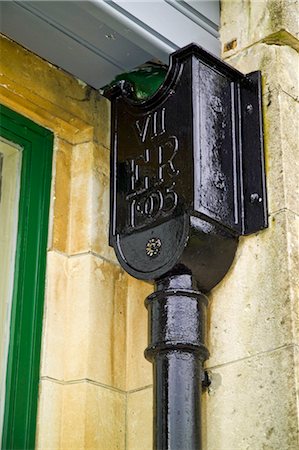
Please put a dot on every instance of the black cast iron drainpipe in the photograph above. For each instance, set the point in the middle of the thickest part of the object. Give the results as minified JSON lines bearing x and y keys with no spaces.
{"x":187,"y":179}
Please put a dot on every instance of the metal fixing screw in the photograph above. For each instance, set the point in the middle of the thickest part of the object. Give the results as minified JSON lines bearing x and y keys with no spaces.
{"x":205,"y":380}
{"x":249,"y":108}
{"x":255,"y":198}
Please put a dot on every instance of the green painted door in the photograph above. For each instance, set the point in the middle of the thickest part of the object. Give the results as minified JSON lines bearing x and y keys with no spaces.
{"x":25,"y":179}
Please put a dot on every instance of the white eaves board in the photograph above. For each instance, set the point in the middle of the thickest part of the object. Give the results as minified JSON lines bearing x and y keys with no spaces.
{"x":96,"y":40}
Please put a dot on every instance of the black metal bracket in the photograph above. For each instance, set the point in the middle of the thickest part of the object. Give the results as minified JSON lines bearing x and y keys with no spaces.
{"x":205,"y":380}
{"x":187,"y":179}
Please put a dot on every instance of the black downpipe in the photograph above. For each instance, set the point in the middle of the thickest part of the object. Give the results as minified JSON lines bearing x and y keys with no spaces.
{"x":177,"y":321}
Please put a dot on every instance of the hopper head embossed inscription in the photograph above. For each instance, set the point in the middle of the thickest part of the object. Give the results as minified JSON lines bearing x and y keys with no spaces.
{"x":153,"y":173}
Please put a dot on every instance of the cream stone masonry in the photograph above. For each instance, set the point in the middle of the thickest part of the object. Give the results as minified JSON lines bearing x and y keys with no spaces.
{"x":81,"y":207}
{"x":244,"y":23}
{"x":279,"y":64}
{"x":252,"y":404}
{"x":89,"y":416}
{"x":139,"y":370}
{"x":50,"y":415}
{"x":86,"y":305}
{"x":139,"y":420}
{"x":252,"y":310}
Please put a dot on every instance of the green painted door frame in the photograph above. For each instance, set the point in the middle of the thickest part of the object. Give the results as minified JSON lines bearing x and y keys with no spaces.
{"x":23,"y":368}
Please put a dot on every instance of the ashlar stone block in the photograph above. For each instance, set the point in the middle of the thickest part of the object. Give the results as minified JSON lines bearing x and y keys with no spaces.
{"x":105,"y":415}
{"x":54,"y":325}
{"x":279,"y":66}
{"x":245,"y":23}
{"x":139,"y":370}
{"x":254,"y":309}
{"x":89,"y":201}
{"x":85,"y":325}
{"x":48,"y":430}
{"x":282,"y":151}
{"x":251,"y":404}
{"x":81,"y":199}
{"x":80,"y":415}
{"x":93,"y":418}
{"x":61,"y":196}
{"x":107,"y":324}
{"x":139,"y":420}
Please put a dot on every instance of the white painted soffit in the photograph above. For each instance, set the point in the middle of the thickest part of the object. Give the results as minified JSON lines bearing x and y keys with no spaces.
{"x":96,"y":40}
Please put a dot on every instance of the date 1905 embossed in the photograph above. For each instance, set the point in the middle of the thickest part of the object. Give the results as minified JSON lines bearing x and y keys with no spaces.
{"x":153,"y":173}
